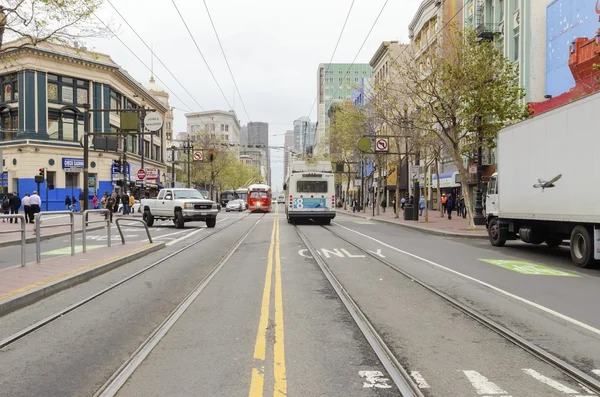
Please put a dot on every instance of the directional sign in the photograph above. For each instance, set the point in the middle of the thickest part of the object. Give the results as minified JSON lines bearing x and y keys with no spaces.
{"x":197,"y":156}
{"x":381,"y":145}
{"x":153,"y":121}
{"x":141,"y":174}
{"x":139,"y":183}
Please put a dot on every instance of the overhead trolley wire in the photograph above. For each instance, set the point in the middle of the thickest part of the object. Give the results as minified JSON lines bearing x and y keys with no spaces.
{"x":226,"y":61}
{"x":154,"y":54}
{"x":200,"y":52}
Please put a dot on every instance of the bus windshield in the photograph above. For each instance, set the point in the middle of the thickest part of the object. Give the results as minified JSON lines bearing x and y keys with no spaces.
{"x":311,"y":186}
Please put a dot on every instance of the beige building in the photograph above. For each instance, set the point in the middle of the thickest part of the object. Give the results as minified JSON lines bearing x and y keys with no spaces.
{"x":44,"y":90}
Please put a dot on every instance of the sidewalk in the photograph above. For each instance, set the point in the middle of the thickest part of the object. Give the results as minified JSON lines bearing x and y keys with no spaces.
{"x":456,"y":227}
{"x":14,"y":238}
{"x":23,"y":286}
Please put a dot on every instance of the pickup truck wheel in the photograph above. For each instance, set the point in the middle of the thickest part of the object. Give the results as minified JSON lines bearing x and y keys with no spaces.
{"x":494,"y":233}
{"x":148,"y":218}
{"x":179,"y":221}
{"x":582,"y":247}
{"x":211,"y":222}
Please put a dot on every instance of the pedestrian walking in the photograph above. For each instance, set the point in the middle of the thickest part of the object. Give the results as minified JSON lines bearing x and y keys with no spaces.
{"x":111,"y":201}
{"x":402,"y":203}
{"x":131,"y":203}
{"x":95,"y":202}
{"x":81,"y":201}
{"x":421,"y":205}
{"x":15,"y":203}
{"x":449,"y":206}
{"x":68,"y":203}
{"x":444,"y":200}
{"x":383,"y":204}
{"x":73,"y":204}
{"x":115,"y":207}
{"x":462,"y":207}
{"x":394,"y":204}
{"x":125,"y":202}
{"x":26,"y":207}
{"x":35,"y":203}
{"x":5,"y":207}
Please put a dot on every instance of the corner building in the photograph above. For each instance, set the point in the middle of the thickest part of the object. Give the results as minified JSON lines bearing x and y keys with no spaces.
{"x":43,"y":92}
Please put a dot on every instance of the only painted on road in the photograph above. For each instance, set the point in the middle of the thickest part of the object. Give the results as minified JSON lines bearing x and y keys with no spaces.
{"x":529,"y":268}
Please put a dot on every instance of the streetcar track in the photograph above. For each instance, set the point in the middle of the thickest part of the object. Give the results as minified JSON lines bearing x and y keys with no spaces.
{"x":55,"y":316}
{"x":128,"y":368}
{"x":394,"y":368}
{"x":538,"y":352}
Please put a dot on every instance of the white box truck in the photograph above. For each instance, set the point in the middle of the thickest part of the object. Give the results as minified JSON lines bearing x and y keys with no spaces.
{"x":547,"y":187}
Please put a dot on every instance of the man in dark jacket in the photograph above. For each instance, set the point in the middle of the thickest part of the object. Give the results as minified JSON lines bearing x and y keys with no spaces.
{"x":14,"y":201}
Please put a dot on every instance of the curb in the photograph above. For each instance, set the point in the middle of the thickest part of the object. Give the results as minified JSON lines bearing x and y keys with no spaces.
{"x":31,"y":297}
{"x":30,"y":240}
{"x":420,"y":229}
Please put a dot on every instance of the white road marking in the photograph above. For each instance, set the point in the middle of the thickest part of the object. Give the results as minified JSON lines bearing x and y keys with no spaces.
{"x":596,"y":371}
{"x":170,"y":234}
{"x":378,"y":253}
{"x":509,"y":294}
{"x":349,"y":255}
{"x":190,"y":234}
{"x":335,"y":252}
{"x":416,"y":375}
{"x":549,"y":381}
{"x":374,"y":379}
{"x":303,"y":253}
{"x":587,"y":390}
{"x":482,"y":384}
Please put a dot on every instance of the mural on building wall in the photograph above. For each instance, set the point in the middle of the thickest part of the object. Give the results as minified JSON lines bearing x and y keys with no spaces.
{"x":566,"y":20}
{"x":451,"y":8}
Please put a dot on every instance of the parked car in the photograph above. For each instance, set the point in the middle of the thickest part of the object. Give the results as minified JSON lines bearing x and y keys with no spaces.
{"x":181,"y":206}
{"x":235,"y":205}
{"x":281,"y":199}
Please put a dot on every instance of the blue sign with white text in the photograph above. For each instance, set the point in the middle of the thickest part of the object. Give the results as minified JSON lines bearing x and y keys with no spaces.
{"x":566,"y":20}
{"x":68,"y":162}
{"x":310,"y":203}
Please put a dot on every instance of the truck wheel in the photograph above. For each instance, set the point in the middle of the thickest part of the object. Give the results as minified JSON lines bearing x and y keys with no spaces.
{"x":211,"y":222}
{"x":148,"y":218}
{"x":179,"y":221}
{"x":582,"y":247}
{"x":554,"y":241}
{"x":494,"y":234}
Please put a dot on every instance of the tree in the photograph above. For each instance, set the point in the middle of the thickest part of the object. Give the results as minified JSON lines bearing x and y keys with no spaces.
{"x":348,"y":123}
{"x":37,"y":21}
{"x":467,"y":91}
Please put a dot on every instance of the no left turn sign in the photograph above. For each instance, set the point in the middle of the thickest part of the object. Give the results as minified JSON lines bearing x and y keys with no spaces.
{"x":197,"y":156}
{"x":381,"y":145}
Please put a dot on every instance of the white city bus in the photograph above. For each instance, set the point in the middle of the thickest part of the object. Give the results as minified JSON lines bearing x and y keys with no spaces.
{"x":310,"y":192}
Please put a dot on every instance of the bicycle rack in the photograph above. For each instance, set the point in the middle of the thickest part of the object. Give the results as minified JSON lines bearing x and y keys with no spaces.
{"x":85,"y":224}
{"x":134,"y":220}
{"x":39,"y":226}
{"x":22,"y":230}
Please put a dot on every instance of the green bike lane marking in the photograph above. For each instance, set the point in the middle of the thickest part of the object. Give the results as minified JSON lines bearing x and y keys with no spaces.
{"x":67,"y":250}
{"x":528,"y":268}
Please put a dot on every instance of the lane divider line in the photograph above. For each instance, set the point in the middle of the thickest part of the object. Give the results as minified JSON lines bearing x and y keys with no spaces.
{"x":483,"y":283}
{"x":279,"y":370}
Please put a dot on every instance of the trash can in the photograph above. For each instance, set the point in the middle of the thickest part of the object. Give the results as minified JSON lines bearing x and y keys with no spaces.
{"x":408,"y":212}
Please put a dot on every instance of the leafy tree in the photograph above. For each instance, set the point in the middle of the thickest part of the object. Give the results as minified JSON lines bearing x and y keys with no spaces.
{"x":37,"y":21}
{"x":467,"y":91}
{"x":348,"y":124}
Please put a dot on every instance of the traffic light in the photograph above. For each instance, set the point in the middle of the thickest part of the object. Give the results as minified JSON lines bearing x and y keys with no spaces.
{"x":41,"y":172}
{"x":211,"y":156}
{"x":116,"y":166}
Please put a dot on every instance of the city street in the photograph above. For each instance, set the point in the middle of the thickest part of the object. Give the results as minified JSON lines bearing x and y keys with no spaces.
{"x":251,"y":312}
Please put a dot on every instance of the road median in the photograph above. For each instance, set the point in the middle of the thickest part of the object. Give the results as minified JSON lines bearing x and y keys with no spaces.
{"x":23,"y":286}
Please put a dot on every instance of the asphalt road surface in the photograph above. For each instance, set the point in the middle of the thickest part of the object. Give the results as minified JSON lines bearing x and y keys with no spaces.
{"x":269,"y":323}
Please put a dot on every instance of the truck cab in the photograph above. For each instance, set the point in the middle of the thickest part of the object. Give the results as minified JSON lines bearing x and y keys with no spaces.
{"x":491,"y":198}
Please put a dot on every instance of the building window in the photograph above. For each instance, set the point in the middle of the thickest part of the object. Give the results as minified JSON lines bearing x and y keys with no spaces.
{"x":168,"y":125}
{"x":9,"y":124}
{"x":65,"y":126}
{"x":67,"y":90}
{"x":226,"y":127}
{"x":222,"y":127}
{"x":115,"y":100}
{"x":501,"y":7}
{"x":10,"y":88}
{"x":71,"y":180}
{"x":516,"y":48}
{"x":53,"y":126}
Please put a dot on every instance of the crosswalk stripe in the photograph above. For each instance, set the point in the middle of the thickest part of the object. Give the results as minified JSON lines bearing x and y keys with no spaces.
{"x":596,"y":371}
{"x":482,"y":384}
{"x":549,"y":381}
{"x":416,"y":375}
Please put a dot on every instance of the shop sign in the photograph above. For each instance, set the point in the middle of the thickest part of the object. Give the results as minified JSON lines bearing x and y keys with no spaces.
{"x":151,"y":174}
{"x":68,"y":162}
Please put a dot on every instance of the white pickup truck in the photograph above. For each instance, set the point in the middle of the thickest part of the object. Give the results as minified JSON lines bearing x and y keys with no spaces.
{"x":180,"y":205}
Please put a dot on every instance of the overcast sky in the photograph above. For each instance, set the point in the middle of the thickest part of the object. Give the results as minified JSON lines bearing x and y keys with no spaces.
{"x":273,"y":48}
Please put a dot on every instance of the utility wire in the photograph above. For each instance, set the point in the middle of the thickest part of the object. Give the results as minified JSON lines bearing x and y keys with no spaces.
{"x":154,"y":54}
{"x":202,"y":55}
{"x":333,"y":54}
{"x":226,"y":61}
{"x":142,"y":62}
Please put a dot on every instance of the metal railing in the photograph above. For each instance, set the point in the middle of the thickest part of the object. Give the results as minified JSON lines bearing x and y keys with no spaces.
{"x":21,"y":230}
{"x":39,"y":226}
{"x":85,"y":224}
{"x":134,"y":220}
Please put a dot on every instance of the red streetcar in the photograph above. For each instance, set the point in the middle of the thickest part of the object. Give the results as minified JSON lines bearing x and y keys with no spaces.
{"x":259,"y":198}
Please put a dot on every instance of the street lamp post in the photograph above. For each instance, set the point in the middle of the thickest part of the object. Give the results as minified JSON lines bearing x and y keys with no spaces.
{"x":173,"y":166}
{"x":142,"y":128}
{"x":187,"y":147}
{"x":86,"y":156}
{"x":478,"y":218}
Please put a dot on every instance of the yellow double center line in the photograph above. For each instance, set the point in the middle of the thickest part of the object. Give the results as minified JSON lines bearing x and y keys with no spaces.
{"x":257,"y":383}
